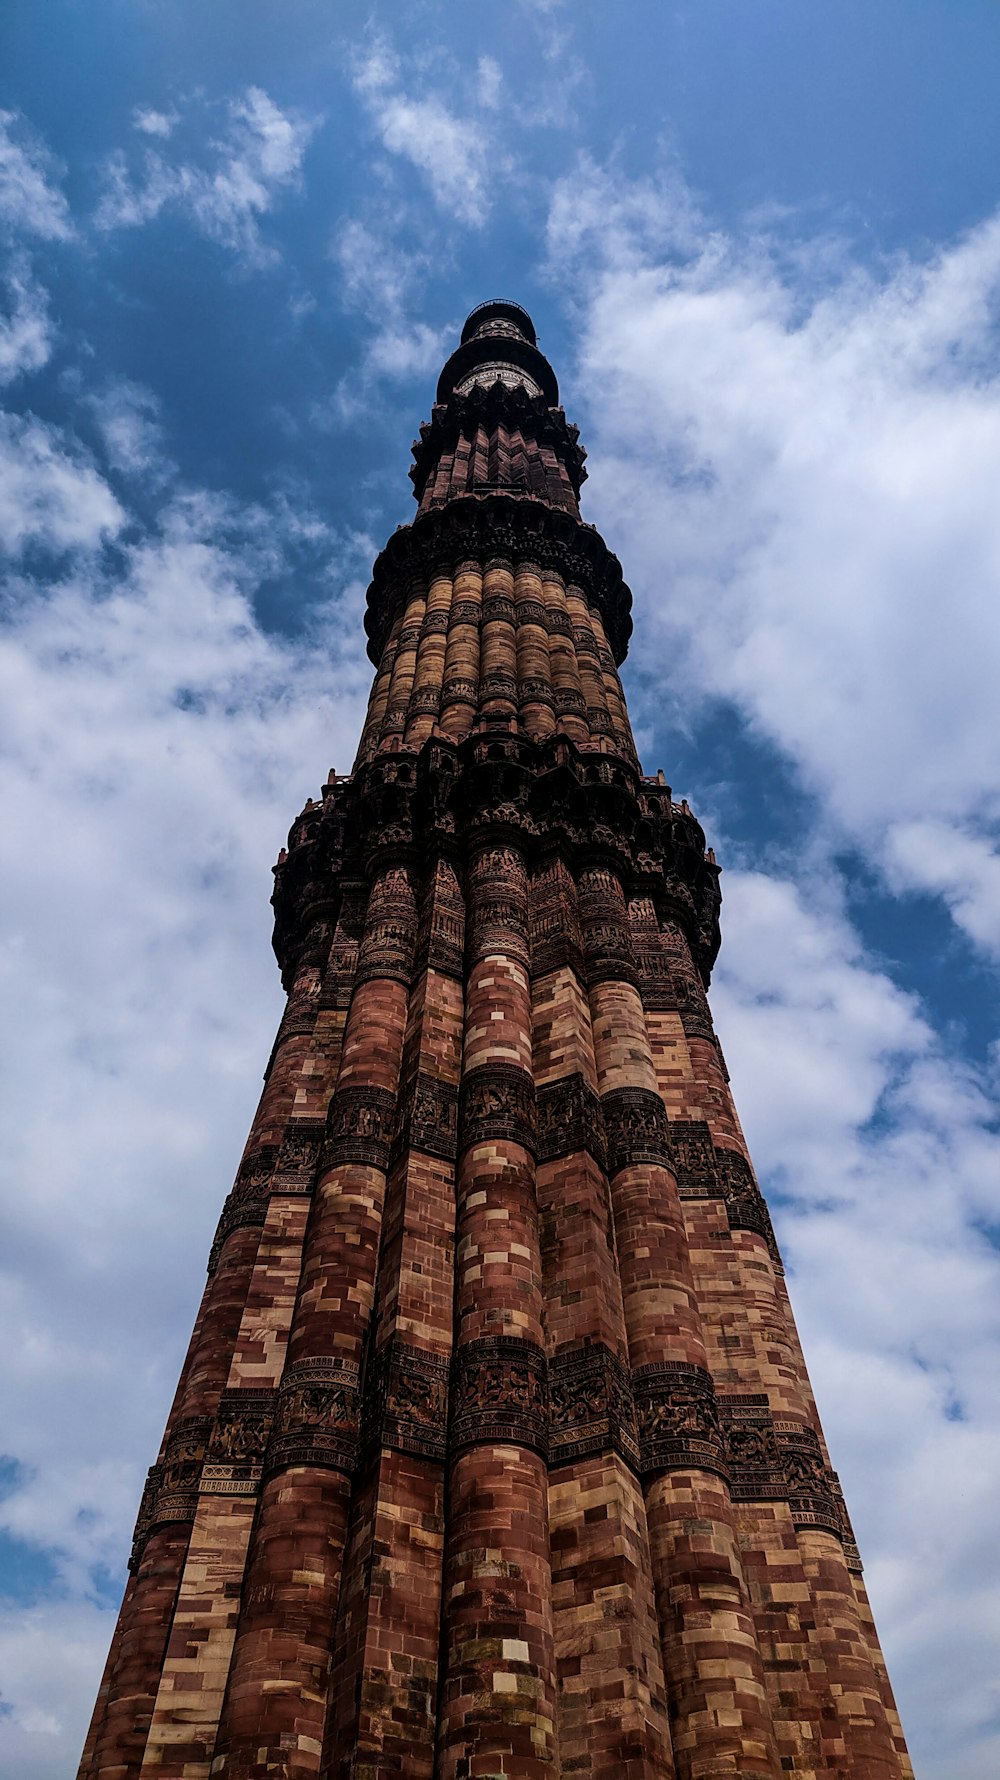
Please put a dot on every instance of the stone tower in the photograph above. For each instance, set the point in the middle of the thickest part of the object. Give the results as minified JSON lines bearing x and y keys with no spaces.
{"x":494,"y":1452}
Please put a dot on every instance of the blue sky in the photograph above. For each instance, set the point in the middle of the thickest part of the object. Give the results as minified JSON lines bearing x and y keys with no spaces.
{"x":762,"y":249}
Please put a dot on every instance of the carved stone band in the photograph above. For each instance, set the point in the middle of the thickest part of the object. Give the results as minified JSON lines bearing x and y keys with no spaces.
{"x":678,"y":1418}
{"x":238,"y":1443}
{"x":745,"y":1206}
{"x":635,"y":1120}
{"x":428,"y":1118}
{"x":406,"y":1402}
{"x":498,"y":1392}
{"x":590,"y":1407}
{"x":781,"y":1461}
{"x":171,"y":1489}
{"x":497,"y":1104}
{"x":317,"y":1418}
{"x":694,"y":1159}
{"x":359,"y":1128}
{"x":298,"y":1155}
{"x":569,"y":1119}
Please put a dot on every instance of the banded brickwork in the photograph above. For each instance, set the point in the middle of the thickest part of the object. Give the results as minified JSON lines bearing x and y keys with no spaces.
{"x":494,"y":1451}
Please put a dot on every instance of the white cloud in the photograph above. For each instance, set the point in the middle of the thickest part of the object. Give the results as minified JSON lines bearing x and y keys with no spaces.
{"x":154,"y":744}
{"x":806,"y":475}
{"x":129,"y":420}
{"x":25,"y":331}
{"x":30,"y":203}
{"x":50,"y":492}
{"x":153,"y":123}
{"x":256,"y":161}
{"x":452,"y":152}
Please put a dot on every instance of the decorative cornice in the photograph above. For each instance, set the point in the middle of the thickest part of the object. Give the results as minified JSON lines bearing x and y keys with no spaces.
{"x":506,"y":524}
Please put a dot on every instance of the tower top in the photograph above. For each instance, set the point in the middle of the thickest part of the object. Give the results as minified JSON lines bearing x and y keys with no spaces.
{"x":499,"y":343}
{"x":499,"y":316}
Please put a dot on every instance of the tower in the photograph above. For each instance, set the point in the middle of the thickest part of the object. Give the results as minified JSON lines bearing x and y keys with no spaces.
{"x":494,"y":1451}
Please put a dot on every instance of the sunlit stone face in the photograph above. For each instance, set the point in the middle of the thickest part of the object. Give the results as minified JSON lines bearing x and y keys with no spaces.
{"x":487,"y":374}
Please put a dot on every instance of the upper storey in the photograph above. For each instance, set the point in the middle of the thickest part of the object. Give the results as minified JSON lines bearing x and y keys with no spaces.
{"x":497,"y":474}
{"x":497,"y":423}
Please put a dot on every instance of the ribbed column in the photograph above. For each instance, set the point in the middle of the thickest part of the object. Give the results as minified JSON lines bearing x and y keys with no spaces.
{"x":460,"y":689}
{"x":378,"y":698}
{"x":117,"y":1741}
{"x":404,"y":666}
{"x":189,"y":1700}
{"x":755,"y":1356}
{"x":612,"y":1716}
{"x":588,"y":663}
{"x":719,"y":1715}
{"x":384,"y":1696}
{"x":613,"y":689}
{"x":275,"y":1707}
{"x":498,"y":664}
{"x":536,"y":705}
{"x":425,"y":698}
{"x":571,"y":706}
{"x":497,"y":1702}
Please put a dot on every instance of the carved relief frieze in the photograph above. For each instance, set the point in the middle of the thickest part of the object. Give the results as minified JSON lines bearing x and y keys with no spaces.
{"x":498,"y":1392}
{"x":745,"y":1205}
{"x":678,"y":1418}
{"x":317,"y":1421}
{"x":569,"y":1118}
{"x":238,"y":1443}
{"x":406,"y":1401}
{"x":428,"y":1117}
{"x":591,"y":1408}
{"x":298,"y":1155}
{"x":694,"y":1159}
{"x":635,"y":1120}
{"x":359,"y":1128}
{"x":497,"y":1104}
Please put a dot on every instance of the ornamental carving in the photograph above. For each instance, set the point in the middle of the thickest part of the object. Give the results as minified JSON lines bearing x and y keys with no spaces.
{"x":317,"y":1418}
{"x":238,"y":1443}
{"x":568,"y":1116}
{"x":498,"y":1392}
{"x":497,"y":1105}
{"x":406,"y":1401}
{"x":635,"y":1120}
{"x":809,"y":1482}
{"x":678,"y":1418}
{"x":428,"y":1118}
{"x":590,"y":1407}
{"x":745,"y":1206}
{"x":171,"y":1489}
{"x":298,"y":1155}
{"x":359,"y":1128}
{"x":693,"y":1156}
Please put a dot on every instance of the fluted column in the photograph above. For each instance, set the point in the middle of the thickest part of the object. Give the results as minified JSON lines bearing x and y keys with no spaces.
{"x":497,"y":1705}
{"x":382,"y":1717}
{"x":612,"y":1716}
{"x":460,"y":687}
{"x":117,"y":1740}
{"x":274,"y":1714}
{"x":720,"y":1721}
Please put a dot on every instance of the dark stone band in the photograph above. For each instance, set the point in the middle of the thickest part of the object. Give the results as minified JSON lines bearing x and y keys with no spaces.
{"x":635,"y":1120}
{"x":590,"y":1407}
{"x":497,"y":1104}
{"x":499,"y":1392}
{"x":359,"y":1128}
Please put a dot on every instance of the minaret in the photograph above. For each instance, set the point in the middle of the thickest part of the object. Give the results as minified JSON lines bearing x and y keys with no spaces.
{"x":494,"y":1451}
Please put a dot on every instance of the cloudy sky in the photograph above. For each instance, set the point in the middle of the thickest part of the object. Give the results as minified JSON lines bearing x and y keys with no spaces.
{"x":761,"y":245}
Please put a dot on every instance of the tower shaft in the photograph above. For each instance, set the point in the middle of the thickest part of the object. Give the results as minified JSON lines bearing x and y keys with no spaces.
{"x":494,"y":1452}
